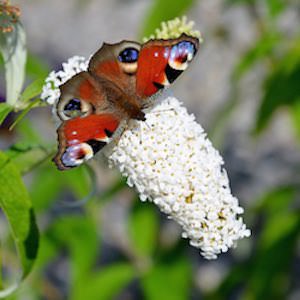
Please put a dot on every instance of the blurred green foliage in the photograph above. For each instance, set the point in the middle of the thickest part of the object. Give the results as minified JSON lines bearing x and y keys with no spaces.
{"x":163,"y":11}
{"x":147,"y":267}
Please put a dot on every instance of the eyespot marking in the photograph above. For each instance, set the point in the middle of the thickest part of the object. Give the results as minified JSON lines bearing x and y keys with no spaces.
{"x":181,"y":55}
{"x":76,"y":155}
{"x":128,"y":55}
{"x":72,"y":108}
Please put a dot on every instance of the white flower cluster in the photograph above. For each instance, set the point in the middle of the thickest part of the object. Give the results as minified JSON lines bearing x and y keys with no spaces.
{"x":51,"y":91}
{"x":174,"y":28}
{"x":171,"y":162}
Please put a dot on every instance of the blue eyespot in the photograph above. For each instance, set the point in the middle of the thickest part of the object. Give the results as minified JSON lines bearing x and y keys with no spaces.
{"x":182,"y":50}
{"x":73,"y":104}
{"x":128,"y":55}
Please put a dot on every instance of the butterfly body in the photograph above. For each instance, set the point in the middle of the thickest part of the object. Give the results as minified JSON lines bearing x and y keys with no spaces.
{"x":115,"y":88}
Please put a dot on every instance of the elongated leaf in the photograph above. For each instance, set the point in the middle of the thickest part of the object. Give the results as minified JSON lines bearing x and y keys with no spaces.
{"x":164,"y":10}
{"x":79,"y":235}
{"x":261,"y":49}
{"x":106,"y":284}
{"x":143,"y":229}
{"x":16,"y":205}
{"x":168,"y":281}
{"x":5,"y":109}
{"x":27,"y":156}
{"x":276,"y":201}
{"x":48,"y":182}
{"x":275,"y":254}
{"x":282,"y":88}
{"x":295,"y":111}
{"x":275,"y":7}
{"x":32,"y":90}
{"x":13,"y":50}
{"x":24,"y":112}
{"x":36,"y":67}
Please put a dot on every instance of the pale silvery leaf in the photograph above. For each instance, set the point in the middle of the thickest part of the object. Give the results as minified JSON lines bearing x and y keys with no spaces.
{"x":13,"y":50}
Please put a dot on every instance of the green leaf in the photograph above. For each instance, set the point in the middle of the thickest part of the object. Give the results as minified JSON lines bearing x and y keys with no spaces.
{"x":234,"y":2}
{"x":5,"y":109}
{"x":275,"y":7}
{"x":26,"y":156}
{"x":282,"y":88}
{"x":106,"y":284}
{"x":164,"y":10}
{"x":267,"y":270}
{"x":168,"y":281}
{"x":276,"y":248}
{"x":36,"y":67}
{"x":79,"y":234}
{"x":276,"y":201}
{"x":48,"y":182}
{"x":261,"y":49}
{"x":28,"y":133}
{"x":46,"y":185}
{"x":24,"y":112}
{"x":278,"y":227}
{"x":32,"y":90}
{"x":13,"y":50}
{"x":143,"y":229}
{"x":16,"y":205}
{"x":295,"y":112}
{"x":80,"y":174}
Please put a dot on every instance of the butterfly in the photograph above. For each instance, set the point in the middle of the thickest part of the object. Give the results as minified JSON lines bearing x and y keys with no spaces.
{"x":119,"y":80}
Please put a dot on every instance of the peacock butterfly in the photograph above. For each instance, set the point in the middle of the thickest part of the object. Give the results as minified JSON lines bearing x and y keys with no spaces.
{"x":119,"y":79}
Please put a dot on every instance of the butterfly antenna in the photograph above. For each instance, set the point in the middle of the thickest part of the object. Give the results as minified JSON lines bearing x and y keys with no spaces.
{"x":163,"y":110}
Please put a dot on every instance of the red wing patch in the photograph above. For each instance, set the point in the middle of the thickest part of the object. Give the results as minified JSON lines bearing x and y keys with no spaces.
{"x":81,"y":138}
{"x":80,"y":130}
{"x":151,"y":66}
{"x":160,"y":62}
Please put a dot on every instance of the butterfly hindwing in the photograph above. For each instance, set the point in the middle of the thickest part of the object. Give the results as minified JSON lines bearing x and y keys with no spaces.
{"x":81,"y":138}
{"x":88,"y":121}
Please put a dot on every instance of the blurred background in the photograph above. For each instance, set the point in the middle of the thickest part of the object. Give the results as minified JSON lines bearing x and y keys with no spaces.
{"x":244,"y":89}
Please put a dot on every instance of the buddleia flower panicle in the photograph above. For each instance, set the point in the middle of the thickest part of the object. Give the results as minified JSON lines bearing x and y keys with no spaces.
{"x":171,"y":162}
{"x":173,"y":29}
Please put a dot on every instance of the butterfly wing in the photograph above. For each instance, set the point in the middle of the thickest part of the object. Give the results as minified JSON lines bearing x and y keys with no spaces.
{"x":88,"y":121}
{"x":117,"y":64}
{"x":160,"y":62}
{"x":93,"y":103}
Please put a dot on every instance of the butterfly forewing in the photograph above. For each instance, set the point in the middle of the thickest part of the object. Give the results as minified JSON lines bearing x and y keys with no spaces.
{"x":110,"y":63}
{"x":88,"y":120}
{"x":162,"y":61}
